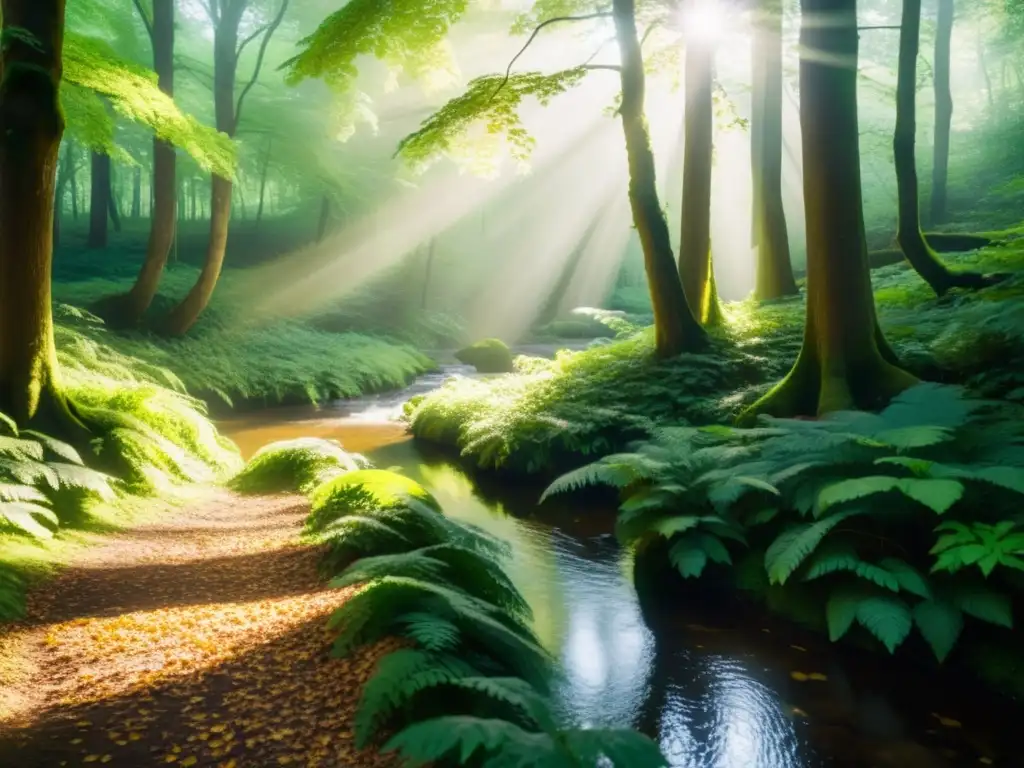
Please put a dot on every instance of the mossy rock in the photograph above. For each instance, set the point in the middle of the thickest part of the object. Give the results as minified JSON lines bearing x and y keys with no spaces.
{"x":487,"y":356}
{"x":294,"y":465}
{"x":364,"y":489}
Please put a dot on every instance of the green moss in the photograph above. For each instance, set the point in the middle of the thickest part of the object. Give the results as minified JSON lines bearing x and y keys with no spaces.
{"x":487,"y":356}
{"x":298,"y":465}
{"x":361,"y":490}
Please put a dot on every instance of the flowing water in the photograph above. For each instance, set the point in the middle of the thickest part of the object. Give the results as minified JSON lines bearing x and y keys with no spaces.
{"x":723,"y":692}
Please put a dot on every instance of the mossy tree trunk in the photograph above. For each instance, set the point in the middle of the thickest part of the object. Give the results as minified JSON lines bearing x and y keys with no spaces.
{"x":676,"y":330}
{"x":943,"y":112}
{"x":844,"y":362}
{"x":32,"y":124}
{"x":99,"y":200}
{"x":771,"y":236}
{"x":908,"y":234}
{"x":695,"y":267}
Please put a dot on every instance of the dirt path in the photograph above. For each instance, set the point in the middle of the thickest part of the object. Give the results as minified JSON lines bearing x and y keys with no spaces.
{"x":198,"y":640}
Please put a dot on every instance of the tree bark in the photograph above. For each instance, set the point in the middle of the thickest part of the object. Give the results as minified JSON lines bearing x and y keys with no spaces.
{"x":845,"y":362}
{"x":771,"y":236}
{"x":325,"y":218}
{"x":192,"y":198}
{"x":676,"y":330}
{"x":943,"y":112}
{"x":263,"y":180}
{"x":698,"y":142}
{"x":32,"y":126}
{"x":136,"y":210}
{"x":911,"y":239}
{"x":73,"y":179}
{"x":99,"y":200}
{"x":112,"y":203}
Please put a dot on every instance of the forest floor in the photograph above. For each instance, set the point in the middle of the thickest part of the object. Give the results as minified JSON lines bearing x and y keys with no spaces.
{"x":196,"y":640}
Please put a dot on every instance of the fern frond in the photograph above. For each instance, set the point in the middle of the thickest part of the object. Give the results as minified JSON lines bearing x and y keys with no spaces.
{"x":25,"y":516}
{"x":792,"y":546}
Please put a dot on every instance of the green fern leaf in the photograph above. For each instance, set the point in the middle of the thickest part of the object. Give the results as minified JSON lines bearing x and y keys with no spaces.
{"x":909,"y":578}
{"x":931,"y":404}
{"x":459,"y":737}
{"x":905,"y":438}
{"x":432,"y":632}
{"x":621,"y":747}
{"x":7,"y":425}
{"x":82,"y":478}
{"x":940,"y":623}
{"x":723,"y":496}
{"x":10,"y":492}
{"x":793,"y":546}
{"x":414,"y":565}
{"x":937,"y":495}
{"x":917,"y":467}
{"x":23,"y":516}
{"x":688,"y":557}
{"x":20,"y":449}
{"x":984,"y":604}
{"x":887,"y":618}
{"x":671,"y":526}
{"x":841,"y":611}
{"x":58,"y":448}
{"x":831,"y":557}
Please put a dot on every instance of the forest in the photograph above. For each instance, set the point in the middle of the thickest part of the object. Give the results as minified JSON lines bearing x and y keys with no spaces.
{"x":539,"y":383}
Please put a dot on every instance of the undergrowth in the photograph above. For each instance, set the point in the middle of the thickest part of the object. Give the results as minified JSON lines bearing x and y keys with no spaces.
{"x":237,"y":359}
{"x":904,"y":521}
{"x":471,"y":683}
{"x":550,"y":416}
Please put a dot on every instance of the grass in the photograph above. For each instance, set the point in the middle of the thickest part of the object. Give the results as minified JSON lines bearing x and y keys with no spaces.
{"x":550,"y":416}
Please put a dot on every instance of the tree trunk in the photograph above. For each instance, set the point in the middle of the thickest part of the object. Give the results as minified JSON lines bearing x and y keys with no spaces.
{"x":112,"y":204}
{"x":553,"y":305}
{"x":192,"y":198}
{"x":845,"y":361}
{"x":325,"y":218}
{"x":58,"y":195}
{"x":771,"y":237}
{"x":225,"y":66}
{"x":675,"y":328}
{"x":908,"y":233}
{"x":33,"y":124}
{"x":99,"y":200}
{"x":698,"y":141}
{"x":163,"y":195}
{"x":136,"y":210}
{"x":263,"y":180}
{"x":943,"y":111}
{"x":73,"y":179}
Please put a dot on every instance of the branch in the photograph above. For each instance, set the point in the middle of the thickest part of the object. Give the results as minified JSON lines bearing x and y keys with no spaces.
{"x":647,"y":32}
{"x":897,"y":26}
{"x":271,"y":28}
{"x":249,"y":39}
{"x":609,"y":67}
{"x":537,"y":29}
{"x":145,"y":19}
{"x":600,"y":48}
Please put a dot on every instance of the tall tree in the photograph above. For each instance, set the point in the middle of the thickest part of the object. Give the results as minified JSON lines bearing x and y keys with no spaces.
{"x":845,"y":361}
{"x":909,"y":236}
{"x":943,"y":111}
{"x":695,"y":268}
{"x":771,"y":236}
{"x":136,"y":209}
{"x":99,"y":200}
{"x":33,"y":124}
{"x":226,"y":16}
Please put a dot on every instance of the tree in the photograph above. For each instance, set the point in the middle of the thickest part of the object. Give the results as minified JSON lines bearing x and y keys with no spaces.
{"x":908,"y":234}
{"x":33,"y":125}
{"x":226,"y":16}
{"x":844,"y":362}
{"x":943,"y":110}
{"x":695,"y":267}
{"x":771,"y":236}
{"x":99,"y":200}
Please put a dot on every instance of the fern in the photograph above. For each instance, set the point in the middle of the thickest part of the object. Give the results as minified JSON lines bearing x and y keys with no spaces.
{"x":794,"y":545}
{"x":984,"y":545}
{"x":298,"y":465}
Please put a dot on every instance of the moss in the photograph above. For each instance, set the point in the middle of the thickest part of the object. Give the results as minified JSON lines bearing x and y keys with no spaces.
{"x":298,"y":465}
{"x":361,"y":490}
{"x":487,"y":356}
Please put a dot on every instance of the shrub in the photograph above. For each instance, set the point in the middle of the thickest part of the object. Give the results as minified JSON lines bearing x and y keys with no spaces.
{"x":907,"y":518}
{"x":487,"y":356}
{"x":361,"y":490}
{"x":298,"y":465}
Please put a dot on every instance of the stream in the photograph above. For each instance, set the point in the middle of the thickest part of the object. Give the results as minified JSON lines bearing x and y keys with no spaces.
{"x":733,"y":692}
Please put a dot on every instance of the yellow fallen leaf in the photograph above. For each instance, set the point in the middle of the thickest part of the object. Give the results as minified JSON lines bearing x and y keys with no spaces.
{"x":106,"y":758}
{"x":948,"y":722}
{"x":798,"y":648}
{"x":817,"y":676}
{"x":91,"y":758}
{"x":799,"y":676}
{"x":985,"y":760}
{"x":191,"y":760}
{"x":171,"y":759}
{"x":217,"y":728}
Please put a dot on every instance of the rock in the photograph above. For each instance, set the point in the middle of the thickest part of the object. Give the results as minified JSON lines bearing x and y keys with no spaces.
{"x":487,"y":356}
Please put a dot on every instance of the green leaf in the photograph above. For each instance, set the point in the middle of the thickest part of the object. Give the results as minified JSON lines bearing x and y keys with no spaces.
{"x":792,"y":546}
{"x":852,"y":489}
{"x":670,"y":526}
{"x":688,"y":557}
{"x":714,"y":548}
{"x":940,"y":623}
{"x":984,"y":604}
{"x":886,"y":617}
{"x":908,"y":577}
{"x":904,"y":438}
{"x":937,"y":495}
{"x":23,"y":514}
{"x":841,"y":610}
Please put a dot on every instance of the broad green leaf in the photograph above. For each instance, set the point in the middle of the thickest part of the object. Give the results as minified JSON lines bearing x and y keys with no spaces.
{"x":853,"y":489}
{"x":914,"y":437}
{"x":887,"y":618}
{"x":937,"y":495}
{"x":688,"y":558}
{"x":984,"y":604}
{"x":840,"y":611}
{"x":909,"y":578}
{"x":940,"y":623}
{"x":792,"y":546}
